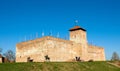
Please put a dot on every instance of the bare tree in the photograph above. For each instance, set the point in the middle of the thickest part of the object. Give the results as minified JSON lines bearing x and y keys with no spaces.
{"x":0,"y":50}
{"x":115,"y":56}
{"x":10,"y":55}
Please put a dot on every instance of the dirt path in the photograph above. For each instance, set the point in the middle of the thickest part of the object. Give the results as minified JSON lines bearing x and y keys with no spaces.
{"x":114,"y":64}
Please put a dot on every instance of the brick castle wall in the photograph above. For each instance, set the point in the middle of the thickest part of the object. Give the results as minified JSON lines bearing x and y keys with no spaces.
{"x":56,"y":49}
{"x":60,"y":49}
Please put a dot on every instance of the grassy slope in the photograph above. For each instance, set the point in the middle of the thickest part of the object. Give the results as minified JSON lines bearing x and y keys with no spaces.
{"x":56,"y":66}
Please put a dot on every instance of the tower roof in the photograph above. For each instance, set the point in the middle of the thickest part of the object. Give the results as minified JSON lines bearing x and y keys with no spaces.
{"x":76,"y":28}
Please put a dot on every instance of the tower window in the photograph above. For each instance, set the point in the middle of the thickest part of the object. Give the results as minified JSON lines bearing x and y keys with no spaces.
{"x":74,"y":36}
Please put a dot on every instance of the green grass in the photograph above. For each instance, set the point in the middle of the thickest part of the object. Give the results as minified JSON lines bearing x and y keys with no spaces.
{"x":59,"y":66}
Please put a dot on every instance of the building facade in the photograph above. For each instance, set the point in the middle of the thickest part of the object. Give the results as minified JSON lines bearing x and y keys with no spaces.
{"x":53,"y":49}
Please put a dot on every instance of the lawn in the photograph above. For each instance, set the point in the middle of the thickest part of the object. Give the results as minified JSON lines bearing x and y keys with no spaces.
{"x":58,"y":66}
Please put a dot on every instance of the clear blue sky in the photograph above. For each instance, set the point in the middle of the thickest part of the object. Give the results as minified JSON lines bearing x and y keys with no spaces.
{"x":20,"y":18}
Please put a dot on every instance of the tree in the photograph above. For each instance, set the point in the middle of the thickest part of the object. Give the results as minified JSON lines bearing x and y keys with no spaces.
{"x":10,"y":55}
{"x":0,"y":50}
{"x":115,"y":56}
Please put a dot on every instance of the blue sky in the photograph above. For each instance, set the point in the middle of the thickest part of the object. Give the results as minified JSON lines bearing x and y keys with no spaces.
{"x":20,"y":18}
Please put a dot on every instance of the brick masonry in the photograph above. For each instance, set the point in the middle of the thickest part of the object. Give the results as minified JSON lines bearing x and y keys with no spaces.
{"x":59,"y":50}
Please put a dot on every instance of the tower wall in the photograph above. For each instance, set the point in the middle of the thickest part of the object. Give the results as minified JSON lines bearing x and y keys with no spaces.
{"x":78,"y":36}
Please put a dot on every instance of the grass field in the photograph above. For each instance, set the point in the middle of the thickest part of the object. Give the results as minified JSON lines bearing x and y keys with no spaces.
{"x":59,"y":66}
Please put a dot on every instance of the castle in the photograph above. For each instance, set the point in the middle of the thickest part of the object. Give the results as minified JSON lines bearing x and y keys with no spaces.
{"x":59,"y":50}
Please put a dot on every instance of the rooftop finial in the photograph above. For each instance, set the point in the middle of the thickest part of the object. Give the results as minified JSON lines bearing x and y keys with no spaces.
{"x":76,"y":22}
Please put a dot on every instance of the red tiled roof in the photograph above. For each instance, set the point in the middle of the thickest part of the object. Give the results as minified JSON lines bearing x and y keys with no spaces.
{"x":76,"y":28}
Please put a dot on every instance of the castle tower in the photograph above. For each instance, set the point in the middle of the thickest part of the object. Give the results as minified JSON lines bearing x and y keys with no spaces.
{"x":78,"y":35}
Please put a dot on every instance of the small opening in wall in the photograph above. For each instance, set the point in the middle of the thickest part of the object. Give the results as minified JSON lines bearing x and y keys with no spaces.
{"x":29,"y":59}
{"x":75,"y":36}
{"x":20,"y":56}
